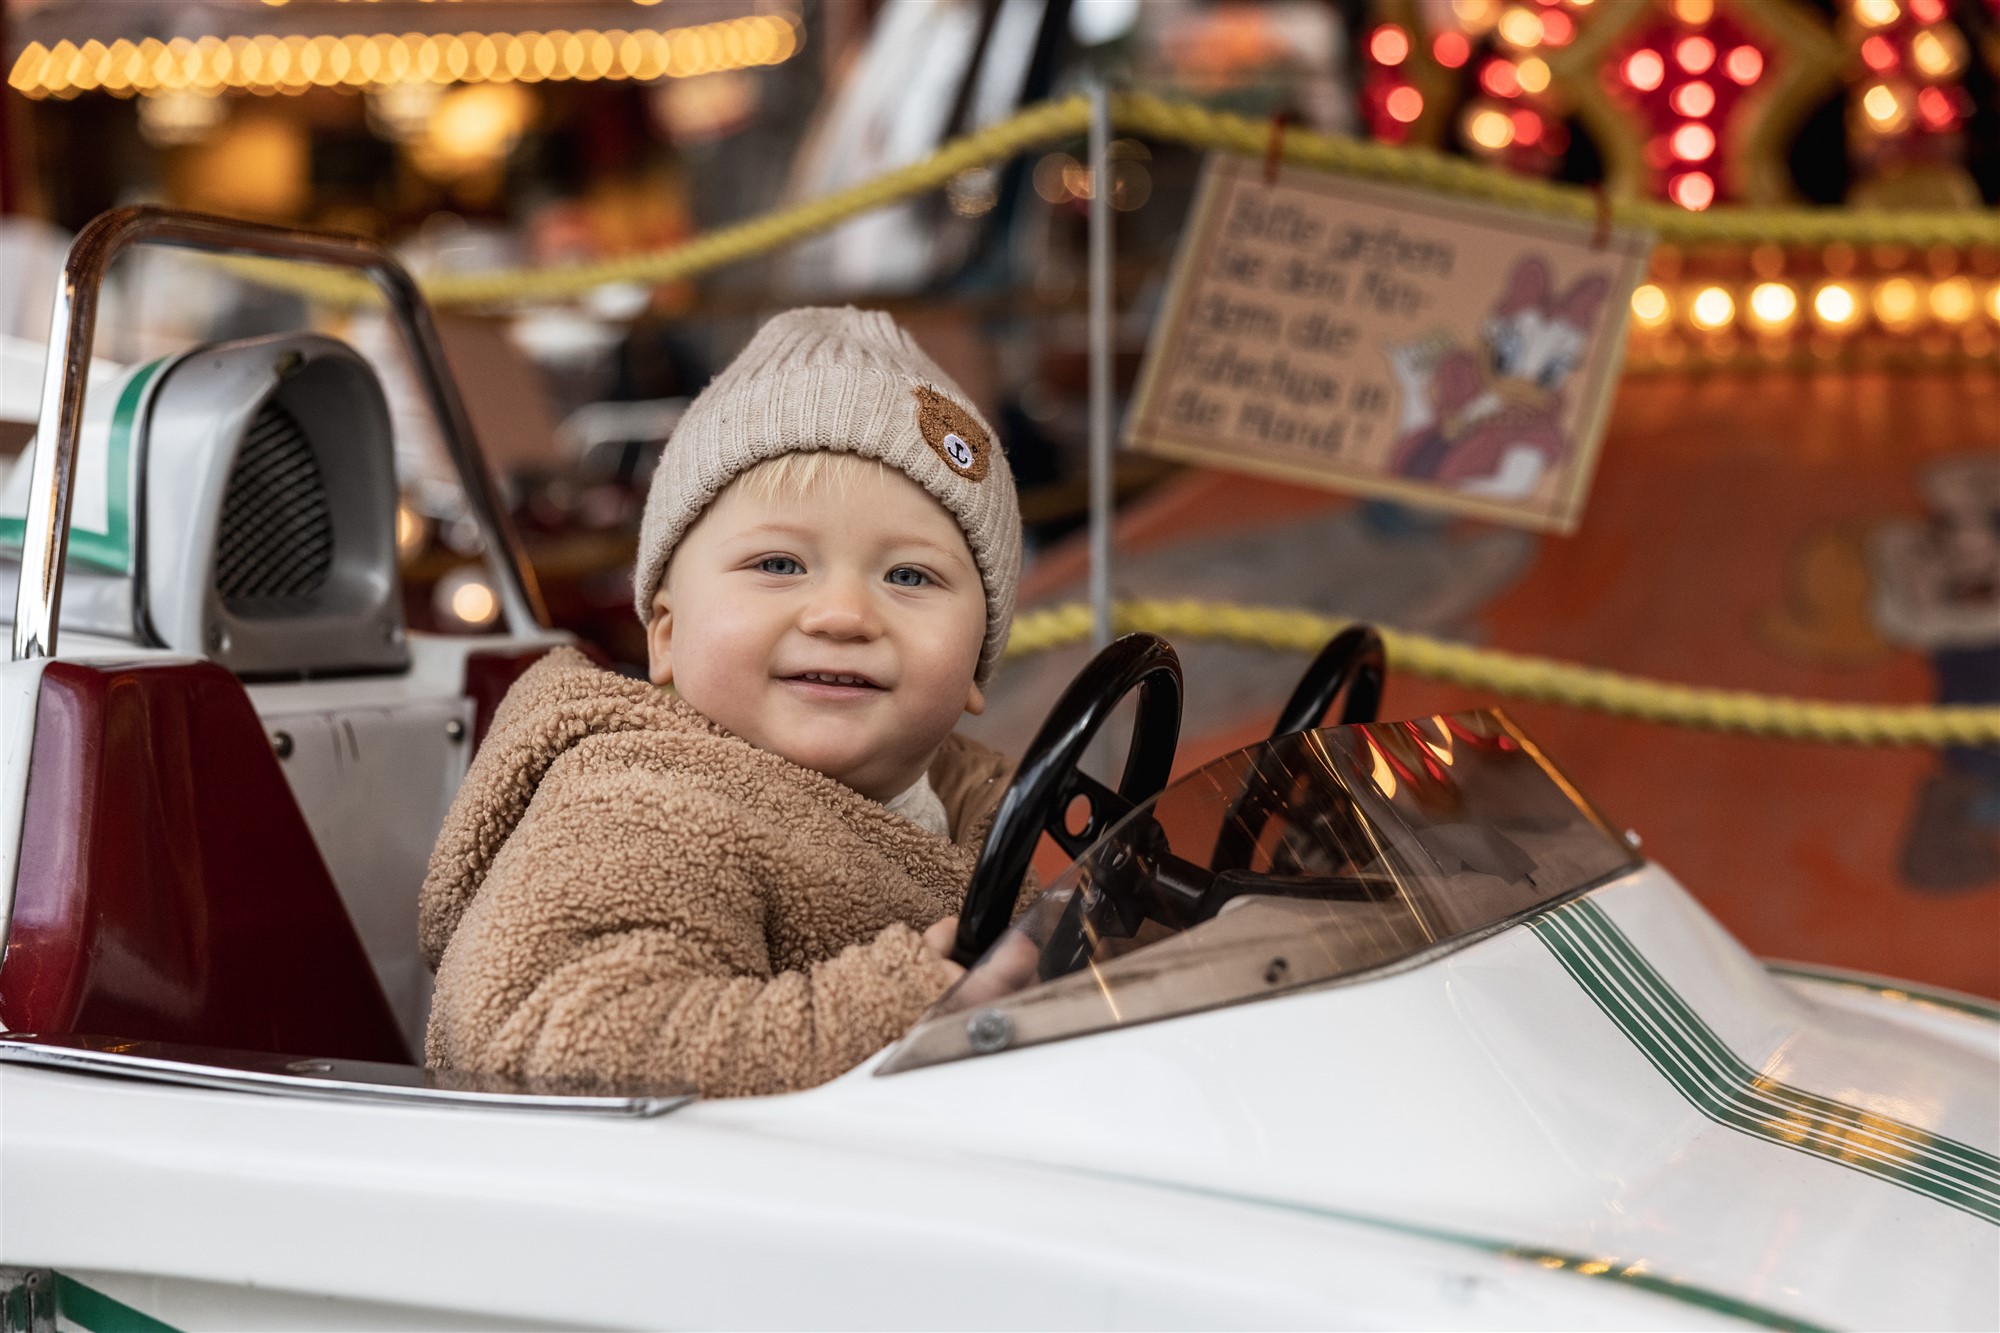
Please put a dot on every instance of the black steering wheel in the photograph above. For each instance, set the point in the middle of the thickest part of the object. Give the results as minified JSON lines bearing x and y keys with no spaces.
{"x":1353,"y":660}
{"x":1048,"y":781}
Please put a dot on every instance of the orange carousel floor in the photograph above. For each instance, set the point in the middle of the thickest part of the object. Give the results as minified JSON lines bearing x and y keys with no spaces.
{"x":1732,"y":539}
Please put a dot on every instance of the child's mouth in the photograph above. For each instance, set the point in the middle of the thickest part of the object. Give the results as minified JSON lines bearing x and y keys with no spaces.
{"x":833,"y":682}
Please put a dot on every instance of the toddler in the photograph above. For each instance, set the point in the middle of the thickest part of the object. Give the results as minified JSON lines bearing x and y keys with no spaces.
{"x":748,"y":881}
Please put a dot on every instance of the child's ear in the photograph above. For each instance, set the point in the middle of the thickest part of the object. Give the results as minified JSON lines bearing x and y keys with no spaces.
{"x":975,"y":700}
{"x":660,"y":642}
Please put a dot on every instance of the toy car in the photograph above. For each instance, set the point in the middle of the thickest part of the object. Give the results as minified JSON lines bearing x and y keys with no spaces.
{"x":1369,"y":1024}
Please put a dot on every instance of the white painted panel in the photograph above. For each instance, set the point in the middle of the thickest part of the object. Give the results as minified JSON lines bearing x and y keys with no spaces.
{"x":374,"y":782}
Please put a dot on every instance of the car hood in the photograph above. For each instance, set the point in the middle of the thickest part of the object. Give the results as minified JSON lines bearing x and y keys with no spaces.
{"x":1613,"y":1087}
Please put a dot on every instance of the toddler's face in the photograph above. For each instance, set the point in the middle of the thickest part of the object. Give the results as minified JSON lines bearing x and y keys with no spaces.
{"x":840,"y":630}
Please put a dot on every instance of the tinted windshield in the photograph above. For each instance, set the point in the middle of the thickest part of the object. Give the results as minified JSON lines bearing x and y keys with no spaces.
{"x":1316,"y":857}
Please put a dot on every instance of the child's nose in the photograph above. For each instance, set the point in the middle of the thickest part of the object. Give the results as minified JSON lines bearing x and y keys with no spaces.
{"x":841,"y":608}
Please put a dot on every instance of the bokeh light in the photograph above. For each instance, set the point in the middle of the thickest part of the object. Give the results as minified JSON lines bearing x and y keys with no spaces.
{"x":1645,"y":70}
{"x":1712,"y":309}
{"x":1694,"y":54}
{"x":1500,"y":78}
{"x":1896,"y":303}
{"x":1490,"y":128}
{"x":1773,"y":305}
{"x":1693,"y":98}
{"x":1744,"y":64}
{"x":1692,"y":190}
{"x":1835,"y":307}
{"x":1886,"y":111}
{"x":1879,"y":54}
{"x":1953,"y":300}
{"x":1389,"y":45}
{"x":1521,"y":27}
{"x":1694,"y":142}
{"x":1650,"y":305}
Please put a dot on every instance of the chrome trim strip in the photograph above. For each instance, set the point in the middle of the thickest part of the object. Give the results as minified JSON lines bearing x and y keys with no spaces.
{"x":328,"y":1080}
{"x":73,"y":328}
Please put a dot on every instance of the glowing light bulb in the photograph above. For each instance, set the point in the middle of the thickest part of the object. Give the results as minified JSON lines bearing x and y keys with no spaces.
{"x":1744,"y":64}
{"x":1533,"y":74}
{"x":1694,"y":98}
{"x":1693,"y":142}
{"x":1390,"y":45}
{"x":1879,"y":54}
{"x":1713,"y":308}
{"x":1834,"y":305}
{"x":1993,"y":301}
{"x":1953,"y":301}
{"x":1773,"y":305}
{"x":1521,"y":27}
{"x":1490,"y":129}
{"x":1558,"y":28}
{"x":1645,"y":70}
{"x":1935,"y":54}
{"x":1527,"y":126}
{"x":1477,"y":15}
{"x":463,"y":599}
{"x":412,"y":531}
{"x":1694,"y":54}
{"x":1500,"y":78}
{"x":1451,"y":49}
{"x":1692,"y":190}
{"x":1896,"y":303}
{"x":1694,"y":13}
{"x":1876,"y":13}
{"x":1885,"y":111}
{"x":1650,"y":306}
{"x":1934,"y":108}
{"x":1404,"y":104}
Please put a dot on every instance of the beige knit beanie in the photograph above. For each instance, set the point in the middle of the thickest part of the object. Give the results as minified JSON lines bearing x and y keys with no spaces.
{"x":847,"y":381}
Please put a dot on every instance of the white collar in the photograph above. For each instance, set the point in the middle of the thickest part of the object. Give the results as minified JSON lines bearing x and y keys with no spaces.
{"x":921,"y":806}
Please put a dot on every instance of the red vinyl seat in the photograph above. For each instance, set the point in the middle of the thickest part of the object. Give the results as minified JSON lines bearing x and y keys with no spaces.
{"x":169,"y":888}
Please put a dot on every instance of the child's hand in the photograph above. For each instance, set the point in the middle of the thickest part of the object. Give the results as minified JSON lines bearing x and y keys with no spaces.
{"x":1009,"y":966}
{"x":940,"y":939}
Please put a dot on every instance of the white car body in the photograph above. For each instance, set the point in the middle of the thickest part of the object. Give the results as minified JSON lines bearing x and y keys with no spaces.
{"x":1487,"y":1140}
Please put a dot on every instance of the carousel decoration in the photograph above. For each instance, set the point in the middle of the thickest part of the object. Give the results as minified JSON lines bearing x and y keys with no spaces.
{"x":1907,"y":114}
{"x":1699,"y":103}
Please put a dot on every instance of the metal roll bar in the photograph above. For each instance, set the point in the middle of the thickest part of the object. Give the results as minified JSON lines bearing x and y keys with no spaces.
{"x":73,"y":328}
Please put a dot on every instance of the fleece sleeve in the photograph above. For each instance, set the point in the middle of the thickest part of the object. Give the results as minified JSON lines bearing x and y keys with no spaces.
{"x":637,"y":951}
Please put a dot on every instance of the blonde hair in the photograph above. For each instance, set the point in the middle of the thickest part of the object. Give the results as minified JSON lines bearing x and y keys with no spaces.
{"x":816,"y":474}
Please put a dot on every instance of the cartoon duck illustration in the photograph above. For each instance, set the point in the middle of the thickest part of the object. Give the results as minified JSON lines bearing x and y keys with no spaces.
{"x":1487,"y":420}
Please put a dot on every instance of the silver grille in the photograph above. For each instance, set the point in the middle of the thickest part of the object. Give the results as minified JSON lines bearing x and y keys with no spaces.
{"x":277,"y":530}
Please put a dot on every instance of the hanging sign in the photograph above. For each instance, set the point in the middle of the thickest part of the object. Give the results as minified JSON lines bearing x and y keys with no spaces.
{"x":1389,"y":341}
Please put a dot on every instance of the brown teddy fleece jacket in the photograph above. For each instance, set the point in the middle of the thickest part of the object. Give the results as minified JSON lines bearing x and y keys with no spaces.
{"x":624,"y":890}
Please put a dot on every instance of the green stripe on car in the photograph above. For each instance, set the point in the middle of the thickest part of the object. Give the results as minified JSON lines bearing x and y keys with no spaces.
{"x":111,"y":549}
{"x":1897,"y":992}
{"x":89,"y":1308}
{"x":1725,"y":1088}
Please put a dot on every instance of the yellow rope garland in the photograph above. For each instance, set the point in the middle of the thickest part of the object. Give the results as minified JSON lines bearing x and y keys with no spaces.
{"x":1527,"y":677}
{"x":1179,"y":122}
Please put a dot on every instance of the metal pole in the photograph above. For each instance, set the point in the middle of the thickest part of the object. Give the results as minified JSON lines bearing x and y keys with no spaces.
{"x":1100,"y":365}
{"x":72,"y":326}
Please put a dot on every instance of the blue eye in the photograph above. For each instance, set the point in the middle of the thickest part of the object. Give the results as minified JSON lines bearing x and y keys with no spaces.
{"x":780,"y":564}
{"x":904,"y":577}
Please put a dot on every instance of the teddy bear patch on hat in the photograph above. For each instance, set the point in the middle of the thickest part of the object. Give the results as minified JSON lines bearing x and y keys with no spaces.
{"x":949,"y":429}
